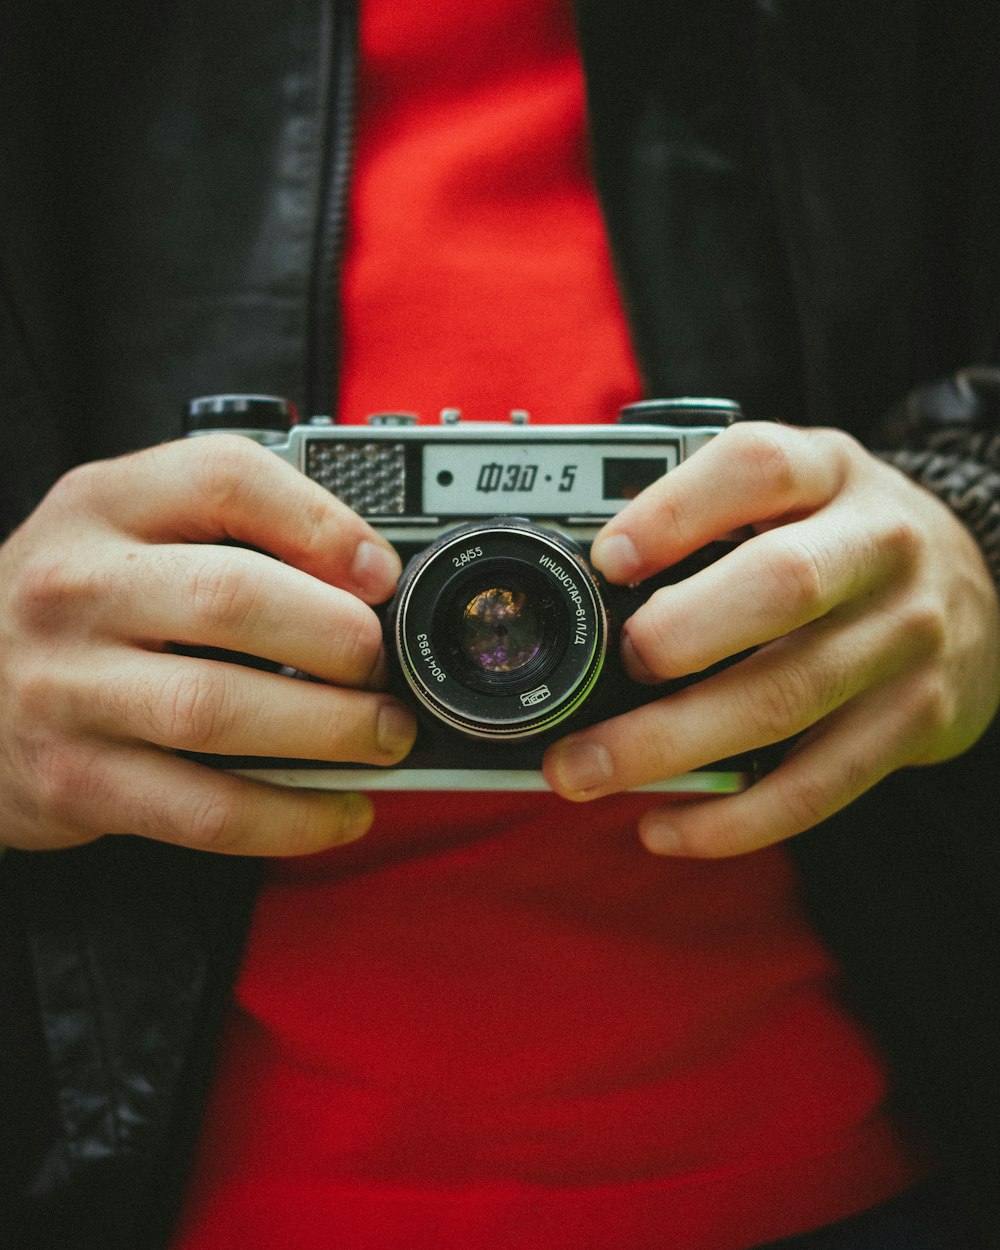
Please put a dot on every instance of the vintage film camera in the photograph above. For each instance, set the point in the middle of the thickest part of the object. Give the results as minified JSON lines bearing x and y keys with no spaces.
{"x":500,"y":633}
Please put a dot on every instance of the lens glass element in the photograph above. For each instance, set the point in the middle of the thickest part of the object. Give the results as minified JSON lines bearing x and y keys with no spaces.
{"x":499,"y":630}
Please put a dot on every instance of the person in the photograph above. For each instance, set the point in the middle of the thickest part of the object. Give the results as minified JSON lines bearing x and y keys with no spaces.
{"x":187,"y":182}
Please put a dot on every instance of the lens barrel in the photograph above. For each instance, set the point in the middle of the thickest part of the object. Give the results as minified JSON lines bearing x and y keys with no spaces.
{"x":500,"y":628}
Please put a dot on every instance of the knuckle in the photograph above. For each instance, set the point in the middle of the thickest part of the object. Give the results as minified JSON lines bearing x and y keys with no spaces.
{"x":192,"y":711}
{"x":318,"y":526}
{"x":223,"y":593}
{"x":41,"y":593}
{"x":798,"y":575}
{"x":834,"y":684}
{"x":807,"y":799}
{"x":50,"y":592}
{"x":926,"y":628}
{"x":225,"y":465}
{"x":65,"y":775}
{"x":840,"y":445}
{"x":79,"y":484}
{"x":763,"y":453}
{"x":933,"y":709}
{"x":670,"y":519}
{"x":775,"y":705}
{"x":902,"y":539}
{"x":34,"y":692}
{"x":213,"y":823}
{"x":359,"y":642}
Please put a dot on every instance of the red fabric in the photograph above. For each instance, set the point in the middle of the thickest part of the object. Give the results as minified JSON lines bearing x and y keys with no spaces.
{"x":477,"y":274}
{"x":498,"y":1021}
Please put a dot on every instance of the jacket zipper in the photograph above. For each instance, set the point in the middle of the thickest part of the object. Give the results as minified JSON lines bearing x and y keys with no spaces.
{"x":339,"y":71}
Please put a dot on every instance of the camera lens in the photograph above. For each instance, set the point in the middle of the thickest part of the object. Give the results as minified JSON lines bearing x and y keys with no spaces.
{"x":500,"y":629}
{"x":498,"y":626}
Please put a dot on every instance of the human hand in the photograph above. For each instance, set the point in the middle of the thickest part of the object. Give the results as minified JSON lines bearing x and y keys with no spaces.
{"x":120,"y":561}
{"x":876,"y":621}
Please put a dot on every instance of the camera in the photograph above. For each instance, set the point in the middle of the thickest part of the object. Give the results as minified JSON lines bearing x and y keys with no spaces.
{"x":500,"y":633}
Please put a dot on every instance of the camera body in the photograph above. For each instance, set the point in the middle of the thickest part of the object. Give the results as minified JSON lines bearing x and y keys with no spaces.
{"x":501,"y":634}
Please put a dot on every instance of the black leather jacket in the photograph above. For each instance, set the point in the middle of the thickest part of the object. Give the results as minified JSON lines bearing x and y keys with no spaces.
{"x":802,"y":200}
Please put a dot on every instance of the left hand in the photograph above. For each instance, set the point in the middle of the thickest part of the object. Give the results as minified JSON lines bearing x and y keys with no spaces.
{"x":876,"y":623}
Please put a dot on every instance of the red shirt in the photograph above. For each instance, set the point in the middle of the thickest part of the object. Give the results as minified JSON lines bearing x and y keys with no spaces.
{"x":497,"y":1021}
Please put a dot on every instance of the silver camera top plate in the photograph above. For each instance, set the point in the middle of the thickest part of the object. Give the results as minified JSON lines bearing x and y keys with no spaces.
{"x":413,"y":481}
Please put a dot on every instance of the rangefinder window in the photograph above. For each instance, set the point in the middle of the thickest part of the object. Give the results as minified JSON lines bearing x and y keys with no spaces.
{"x":624,"y":479}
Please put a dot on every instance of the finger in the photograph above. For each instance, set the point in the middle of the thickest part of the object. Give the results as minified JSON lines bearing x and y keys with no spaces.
{"x":751,"y":474}
{"x":106,"y":789}
{"x":226,"y":487}
{"x":843,"y":758}
{"x":773,"y":694}
{"x":203,"y":595}
{"x":210,"y":706}
{"x":768,"y":586}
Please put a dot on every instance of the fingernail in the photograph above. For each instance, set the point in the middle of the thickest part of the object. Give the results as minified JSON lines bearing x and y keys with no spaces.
{"x":616,"y":557}
{"x":356,"y":815}
{"x":659,"y":836}
{"x":633,"y":665}
{"x":375,"y":570}
{"x":395,"y":730}
{"x":582,"y":767}
{"x":379,"y":675}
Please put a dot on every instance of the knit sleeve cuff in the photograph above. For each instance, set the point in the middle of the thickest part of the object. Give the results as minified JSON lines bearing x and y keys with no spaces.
{"x":969,"y":487}
{"x":946,"y":436}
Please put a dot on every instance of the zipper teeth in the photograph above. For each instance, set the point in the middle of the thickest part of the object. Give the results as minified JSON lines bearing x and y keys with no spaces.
{"x":339,"y":102}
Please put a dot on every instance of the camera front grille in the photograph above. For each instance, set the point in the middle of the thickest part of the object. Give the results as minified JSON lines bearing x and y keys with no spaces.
{"x":368,"y":477}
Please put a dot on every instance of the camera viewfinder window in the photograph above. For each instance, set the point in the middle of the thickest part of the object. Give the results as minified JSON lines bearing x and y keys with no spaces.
{"x":624,"y":479}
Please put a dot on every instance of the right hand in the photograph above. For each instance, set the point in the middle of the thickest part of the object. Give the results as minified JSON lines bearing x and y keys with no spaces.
{"x":121,"y":560}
